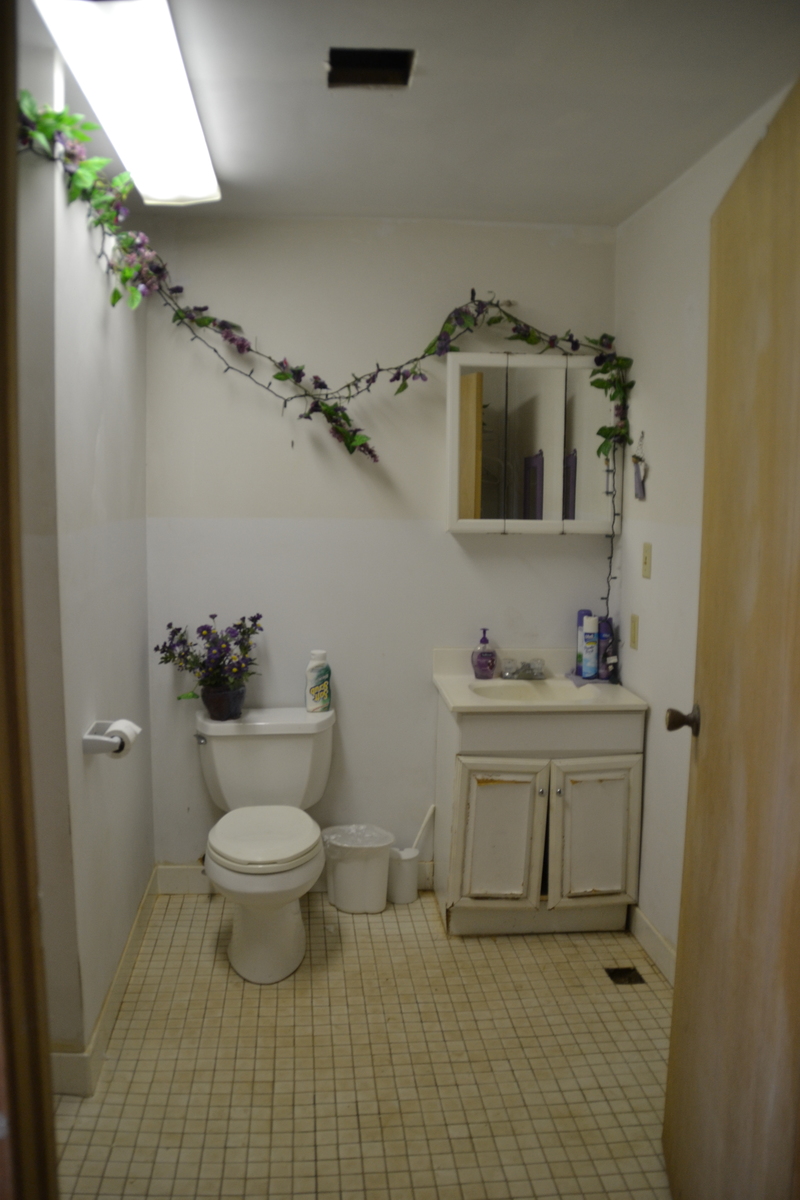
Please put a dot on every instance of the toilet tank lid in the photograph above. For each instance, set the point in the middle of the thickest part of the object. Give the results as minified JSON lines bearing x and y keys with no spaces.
{"x":257,"y":721}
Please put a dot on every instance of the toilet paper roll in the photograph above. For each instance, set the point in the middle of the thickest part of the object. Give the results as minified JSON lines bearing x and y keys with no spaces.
{"x":127,"y":731}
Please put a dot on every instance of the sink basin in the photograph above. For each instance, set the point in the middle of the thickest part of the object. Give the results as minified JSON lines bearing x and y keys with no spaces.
{"x":535,"y":691}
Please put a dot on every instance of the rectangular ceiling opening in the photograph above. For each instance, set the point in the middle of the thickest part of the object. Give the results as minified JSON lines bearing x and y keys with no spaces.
{"x":369,"y":68}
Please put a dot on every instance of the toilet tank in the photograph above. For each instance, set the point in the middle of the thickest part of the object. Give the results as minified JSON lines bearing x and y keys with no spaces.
{"x":267,"y":756}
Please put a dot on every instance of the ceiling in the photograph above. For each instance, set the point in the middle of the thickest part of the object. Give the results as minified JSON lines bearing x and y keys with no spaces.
{"x":566,"y":111}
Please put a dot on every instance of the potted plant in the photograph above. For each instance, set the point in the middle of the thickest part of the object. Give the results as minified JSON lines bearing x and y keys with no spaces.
{"x":220,"y":661}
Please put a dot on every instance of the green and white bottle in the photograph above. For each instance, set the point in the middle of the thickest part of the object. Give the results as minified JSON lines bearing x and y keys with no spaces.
{"x":318,"y":682}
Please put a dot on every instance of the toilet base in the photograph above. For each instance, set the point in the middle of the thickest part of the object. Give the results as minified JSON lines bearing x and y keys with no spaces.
{"x":267,"y":947}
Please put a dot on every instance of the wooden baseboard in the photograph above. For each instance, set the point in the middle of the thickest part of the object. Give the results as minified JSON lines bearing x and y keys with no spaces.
{"x":75,"y":1073}
{"x":655,"y":945}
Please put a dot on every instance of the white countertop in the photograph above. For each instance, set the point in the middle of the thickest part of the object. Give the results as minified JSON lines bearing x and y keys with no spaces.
{"x":463,"y":693}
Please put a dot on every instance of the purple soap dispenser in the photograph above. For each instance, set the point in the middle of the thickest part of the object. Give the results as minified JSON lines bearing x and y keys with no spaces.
{"x":484,"y":659}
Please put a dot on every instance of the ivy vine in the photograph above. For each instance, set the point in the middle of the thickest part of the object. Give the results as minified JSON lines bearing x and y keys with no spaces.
{"x":139,"y":271}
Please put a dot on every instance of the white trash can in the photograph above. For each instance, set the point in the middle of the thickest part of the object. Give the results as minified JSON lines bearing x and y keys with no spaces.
{"x":358,"y":867}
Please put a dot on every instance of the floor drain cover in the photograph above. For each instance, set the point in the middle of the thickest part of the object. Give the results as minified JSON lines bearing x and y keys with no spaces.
{"x":623,"y":975}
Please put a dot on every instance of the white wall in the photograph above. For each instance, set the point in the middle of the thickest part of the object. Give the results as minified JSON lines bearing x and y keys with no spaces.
{"x":336,"y":552}
{"x":662,"y":279}
{"x":85,"y":589}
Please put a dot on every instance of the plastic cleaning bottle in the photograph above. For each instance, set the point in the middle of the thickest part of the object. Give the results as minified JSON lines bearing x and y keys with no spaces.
{"x":484,"y":658}
{"x":318,"y":682}
{"x":582,"y":614}
{"x":605,"y":639}
{"x":590,"y":647}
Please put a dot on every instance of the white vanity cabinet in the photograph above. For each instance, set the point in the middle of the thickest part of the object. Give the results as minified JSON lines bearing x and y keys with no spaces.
{"x":538,"y":818}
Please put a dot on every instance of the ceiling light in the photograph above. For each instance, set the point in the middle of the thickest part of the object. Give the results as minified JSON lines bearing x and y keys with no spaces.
{"x":152,"y":120}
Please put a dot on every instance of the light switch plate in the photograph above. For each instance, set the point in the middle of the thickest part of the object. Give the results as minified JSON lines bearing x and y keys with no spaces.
{"x":647,"y":559}
{"x":634,"y":638}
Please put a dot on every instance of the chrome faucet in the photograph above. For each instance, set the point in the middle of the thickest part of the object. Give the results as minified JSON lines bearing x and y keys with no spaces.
{"x":533,"y":669}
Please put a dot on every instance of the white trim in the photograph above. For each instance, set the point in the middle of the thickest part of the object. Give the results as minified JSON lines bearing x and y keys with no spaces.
{"x":654,"y":944}
{"x":182,"y":879}
{"x":76,"y":1073}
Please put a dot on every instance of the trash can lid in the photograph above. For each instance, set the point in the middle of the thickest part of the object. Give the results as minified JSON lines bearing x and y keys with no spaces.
{"x":357,"y":835}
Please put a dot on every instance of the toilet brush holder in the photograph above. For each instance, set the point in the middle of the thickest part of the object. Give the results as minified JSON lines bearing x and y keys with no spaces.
{"x":403,"y":875}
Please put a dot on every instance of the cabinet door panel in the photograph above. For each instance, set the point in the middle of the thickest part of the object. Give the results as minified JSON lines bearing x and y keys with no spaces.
{"x":595,"y":819}
{"x":504,"y":814}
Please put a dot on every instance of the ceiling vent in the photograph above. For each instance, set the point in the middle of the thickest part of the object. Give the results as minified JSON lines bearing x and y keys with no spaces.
{"x":369,"y":68}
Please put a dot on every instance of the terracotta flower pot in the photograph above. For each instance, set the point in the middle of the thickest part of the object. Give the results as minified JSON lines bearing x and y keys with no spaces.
{"x":223,"y":704}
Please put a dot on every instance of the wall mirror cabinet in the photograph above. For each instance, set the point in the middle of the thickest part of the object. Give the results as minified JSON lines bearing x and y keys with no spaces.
{"x":522,"y":445}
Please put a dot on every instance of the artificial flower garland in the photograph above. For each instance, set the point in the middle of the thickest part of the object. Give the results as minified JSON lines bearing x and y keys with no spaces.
{"x":139,"y":271}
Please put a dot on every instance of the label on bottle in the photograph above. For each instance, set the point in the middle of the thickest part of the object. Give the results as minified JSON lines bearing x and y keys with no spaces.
{"x":318,"y":688}
{"x":589,"y":654}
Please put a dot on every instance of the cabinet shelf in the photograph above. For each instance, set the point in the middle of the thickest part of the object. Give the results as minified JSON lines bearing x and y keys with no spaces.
{"x":522,"y":445}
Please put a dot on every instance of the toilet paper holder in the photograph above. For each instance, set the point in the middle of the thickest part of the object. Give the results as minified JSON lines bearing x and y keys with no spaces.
{"x":96,"y":740}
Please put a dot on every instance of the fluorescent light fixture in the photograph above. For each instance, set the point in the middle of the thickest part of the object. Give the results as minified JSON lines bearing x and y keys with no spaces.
{"x":152,"y":122}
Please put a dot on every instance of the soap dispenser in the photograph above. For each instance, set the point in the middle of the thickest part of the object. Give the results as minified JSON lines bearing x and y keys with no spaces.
{"x":484,"y":658}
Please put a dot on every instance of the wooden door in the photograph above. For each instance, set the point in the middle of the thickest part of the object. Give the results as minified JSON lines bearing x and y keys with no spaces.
{"x":595,"y":822}
{"x":504,"y":816}
{"x":733,"y":1091}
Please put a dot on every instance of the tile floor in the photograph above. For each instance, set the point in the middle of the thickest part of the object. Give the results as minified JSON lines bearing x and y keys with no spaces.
{"x":396,"y":1064}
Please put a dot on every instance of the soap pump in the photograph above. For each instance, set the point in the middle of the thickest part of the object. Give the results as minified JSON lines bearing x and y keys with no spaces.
{"x":484,"y":658}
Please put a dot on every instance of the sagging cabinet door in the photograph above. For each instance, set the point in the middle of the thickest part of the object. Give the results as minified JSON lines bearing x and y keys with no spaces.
{"x":595,"y":829}
{"x":500,"y":843}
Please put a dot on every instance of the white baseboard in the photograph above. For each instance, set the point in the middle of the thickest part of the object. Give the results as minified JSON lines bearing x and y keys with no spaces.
{"x":183,"y":879}
{"x":654,"y":944}
{"x":75,"y":1073}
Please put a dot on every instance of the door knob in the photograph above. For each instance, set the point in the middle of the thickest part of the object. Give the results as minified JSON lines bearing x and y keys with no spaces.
{"x":677,"y":720}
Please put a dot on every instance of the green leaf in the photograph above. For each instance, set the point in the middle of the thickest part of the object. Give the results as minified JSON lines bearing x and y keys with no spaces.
{"x":448,"y":327}
{"x":41,"y":141}
{"x":116,"y":296}
{"x":402,"y":388}
{"x":604,"y":449}
{"x":27,"y":105}
{"x":134,"y":297}
{"x":282,"y":375}
{"x":431,"y":346}
{"x":469,"y":320}
{"x":494,"y":320}
{"x":360,"y":439}
{"x":204,"y":321}
{"x":188,"y":696}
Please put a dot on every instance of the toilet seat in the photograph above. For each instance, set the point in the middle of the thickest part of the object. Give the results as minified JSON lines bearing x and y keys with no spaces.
{"x":264,"y":840}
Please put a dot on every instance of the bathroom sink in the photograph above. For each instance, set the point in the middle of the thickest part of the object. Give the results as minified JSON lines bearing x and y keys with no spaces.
{"x":533,"y":691}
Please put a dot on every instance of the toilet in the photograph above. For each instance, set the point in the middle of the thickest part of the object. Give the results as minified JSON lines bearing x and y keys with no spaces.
{"x":264,"y":770}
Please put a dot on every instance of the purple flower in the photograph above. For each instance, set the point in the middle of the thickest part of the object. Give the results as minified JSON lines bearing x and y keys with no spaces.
{"x":599,"y":359}
{"x":394,"y":378}
{"x":319,"y":384}
{"x":575,"y":344}
{"x":176,"y":291}
{"x":552,"y":340}
{"x":521,"y":329}
{"x":442,"y":346}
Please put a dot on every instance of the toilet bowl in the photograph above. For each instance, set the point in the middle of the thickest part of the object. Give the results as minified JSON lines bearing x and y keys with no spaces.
{"x":266,"y":852}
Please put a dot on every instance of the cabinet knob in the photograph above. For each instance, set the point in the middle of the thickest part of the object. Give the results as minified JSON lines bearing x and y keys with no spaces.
{"x":558,"y":791}
{"x":677,"y":720}
{"x":541,"y":791}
